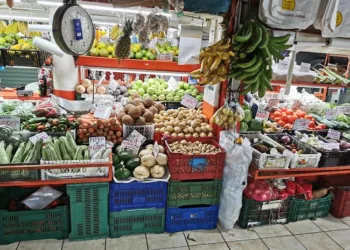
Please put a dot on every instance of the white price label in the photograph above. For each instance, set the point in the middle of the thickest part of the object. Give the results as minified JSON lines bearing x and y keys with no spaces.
{"x":273,"y":103}
{"x":133,"y":141}
{"x":283,"y":65}
{"x":113,"y":85}
{"x":172,"y":83}
{"x":103,"y":112}
{"x":263,"y":115}
{"x":10,"y":121}
{"x":305,"y":67}
{"x":189,"y":101}
{"x":96,"y":143}
{"x":343,"y":110}
{"x":41,"y":135}
{"x":301,"y":124}
{"x":155,"y":149}
{"x":271,"y":95}
{"x":174,"y":42}
{"x":331,"y":146}
{"x":331,"y":114}
{"x":333,"y":134}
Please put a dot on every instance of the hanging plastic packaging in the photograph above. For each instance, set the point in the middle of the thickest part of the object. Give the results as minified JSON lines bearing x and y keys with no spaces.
{"x":209,"y":6}
{"x":237,"y":161}
{"x":41,"y":198}
{"x":289,"y":14}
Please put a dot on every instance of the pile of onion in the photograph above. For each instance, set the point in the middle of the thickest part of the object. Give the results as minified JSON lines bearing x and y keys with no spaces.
{"x":259,"y":190}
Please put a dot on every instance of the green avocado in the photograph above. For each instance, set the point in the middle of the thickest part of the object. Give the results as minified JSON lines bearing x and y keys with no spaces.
{"x":132,"y":164}
{"x":122,"y":174}
{"x":125,"y":156}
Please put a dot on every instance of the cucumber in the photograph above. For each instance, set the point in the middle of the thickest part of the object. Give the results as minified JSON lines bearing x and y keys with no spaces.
{"x":18,"y":155}
{"x":37,"y":151}
{"x":3,"y":155}
{"x":44,"y":154}
{"x":70,"y":151}
{"x":78,"y":154}
{"x":71,"y":141}
{"x":64,"y":153}
{"x":27,"y":149}
{"x":9,"y":152}
{"x":52,"y":153}
{"x":56,"y":145}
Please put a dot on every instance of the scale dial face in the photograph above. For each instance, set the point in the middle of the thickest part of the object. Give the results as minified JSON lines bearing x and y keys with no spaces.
{"x":73,"y":29}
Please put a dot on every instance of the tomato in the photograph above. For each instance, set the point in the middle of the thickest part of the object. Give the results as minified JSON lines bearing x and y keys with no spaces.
{"x":277,"y":119}
{"x":323,"y":126}
{"x":272,"y":117}
{"x":295,"y":117}
{"x":289,"y":112}
{"x":311,"y":124}
{"x":291,"y":119}
{"x":277,"y":113}
{"x":288,"y":126}
{"x":301,"y":114}
{"x":283,"y":113}
{"x":283,"y":109}
{"x":281,"y":123}
{"x":309,"y":117}
{"x":284,"y":118}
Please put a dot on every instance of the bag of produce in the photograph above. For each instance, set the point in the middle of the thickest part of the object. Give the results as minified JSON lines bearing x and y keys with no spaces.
{"x":238,"y":158}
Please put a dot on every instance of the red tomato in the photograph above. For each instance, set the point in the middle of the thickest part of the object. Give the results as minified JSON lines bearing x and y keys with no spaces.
{"x":289,"y":112}
{"x":288,"y":126}
{"x":283,"y":109}
{"x":284,"y":118}
{"x":311,"y":124}
{"x":301,"y":114}
{"x":277,"y":113}
{"x":295,"y":117}
{"x":283,"y":113}
{"x":281,"y":123}
{"x":309,"y":117}
{"x":277,"y":119}
{"x":318,"y":128}
{"x":323,"y":126}
{"x":272,"y":117}
{"x":291,"y":119}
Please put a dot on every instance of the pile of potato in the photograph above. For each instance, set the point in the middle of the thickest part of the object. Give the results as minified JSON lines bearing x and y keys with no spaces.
{"x":183,"y":122}
{"x":193,"y":148}
{"x":140,"y":111}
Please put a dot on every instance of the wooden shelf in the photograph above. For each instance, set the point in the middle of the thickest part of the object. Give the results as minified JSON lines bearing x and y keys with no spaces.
{"x":103,"y":62}
{"x":296,"y":172}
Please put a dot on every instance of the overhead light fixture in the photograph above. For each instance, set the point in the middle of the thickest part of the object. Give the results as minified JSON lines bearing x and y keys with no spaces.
{"x":105,"y":23}
{"x":11,"y":17}
{"x":105,"y":8}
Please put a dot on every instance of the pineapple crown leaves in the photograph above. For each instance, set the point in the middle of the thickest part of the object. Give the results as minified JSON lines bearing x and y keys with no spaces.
{"x":127,"y":29}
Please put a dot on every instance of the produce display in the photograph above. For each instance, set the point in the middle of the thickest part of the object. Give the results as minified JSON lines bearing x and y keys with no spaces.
{"x":193,"y":148}
{"x":102,"y":49}
{"x":138,"y":52}
{"x":40,"y":124}
{"x":327,"y":75}
{"x":289,"y":144}
{"x":167,"y":48}
{"x":254,"y":49}
{"x":182,"y":122}
{"x":227,"y":117}
{"x":266,"y":147}
{"x":315,"y":141}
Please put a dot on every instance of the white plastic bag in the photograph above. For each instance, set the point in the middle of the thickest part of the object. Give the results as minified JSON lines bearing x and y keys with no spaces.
{"x":238,"y":159}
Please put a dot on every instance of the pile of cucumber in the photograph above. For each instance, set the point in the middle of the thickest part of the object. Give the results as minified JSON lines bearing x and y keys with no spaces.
{"x":27,"y":152}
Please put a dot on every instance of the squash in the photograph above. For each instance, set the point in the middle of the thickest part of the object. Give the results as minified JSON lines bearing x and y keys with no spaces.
{"x":5,"y":133}
{"x":132,"y":164}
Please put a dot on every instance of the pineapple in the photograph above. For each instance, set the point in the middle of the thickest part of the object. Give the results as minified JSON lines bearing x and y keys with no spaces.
{"x":122,"y":48}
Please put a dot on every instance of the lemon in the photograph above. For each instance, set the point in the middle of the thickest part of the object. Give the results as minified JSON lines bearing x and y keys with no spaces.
{"x":16,"y":47}
{"x":137,"y":47}
{"x":101,"y":45}
{"x":21,"y":41}
{"x":110,"y":49}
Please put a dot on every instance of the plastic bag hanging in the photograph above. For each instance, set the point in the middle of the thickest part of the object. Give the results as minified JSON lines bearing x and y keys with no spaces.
{"x":227,"y":117}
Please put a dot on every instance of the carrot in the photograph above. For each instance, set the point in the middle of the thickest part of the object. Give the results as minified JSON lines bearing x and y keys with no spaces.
{"x":101,"y":127}
{"x":119,"y":139}
{"x":99,"y":132}
{"x":109,"y":138}
{"x":115,"y":141}
{"x":106,"y":129}
{"x":87,"y":121}
{"x":110,"y":132}
{"x":80,"y":132}
{"x":91,"y":130}
{"x":119,"y":134}
{"x":105,"y":134}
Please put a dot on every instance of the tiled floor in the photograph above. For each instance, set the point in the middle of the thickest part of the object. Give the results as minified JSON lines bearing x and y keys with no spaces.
{"x":323,"y":234}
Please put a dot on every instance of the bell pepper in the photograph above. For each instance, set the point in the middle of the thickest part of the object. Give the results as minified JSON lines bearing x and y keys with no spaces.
{"x":63,"y":121}
{"x":62,"y":127}
{"x":33,"y":127}
{"x":54,"y":129}
{"x":36,"y":120}
{"x":41,"y":127}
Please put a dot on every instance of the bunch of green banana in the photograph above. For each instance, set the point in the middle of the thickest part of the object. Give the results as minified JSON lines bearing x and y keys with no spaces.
{"x":226,"y":118}
{"x":215,"y":61}
{"x":3,"y":26}
{"x":255,"y":49}
{"x":114,"y":32}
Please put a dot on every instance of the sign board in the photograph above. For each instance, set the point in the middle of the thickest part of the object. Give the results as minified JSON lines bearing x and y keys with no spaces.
{"x":343,"y":110}
{"x":301,"y":124}
{"x":305,"y":67}
{"x":272,"y":95}
{"x":96,"y":143}
{"x":263,"y":115}
{"x":331,"y":114}
{"x":10,"y":121}
{"x":333,"y":134}
{"x":273,"y":103}
{"x":133,"y":142}
{"x":103,"y":112}
{"x":41,"y":135}
{"x":113,"y":85}
{"x":189,"y":101}
{"x":155,"y":149}
{"x":331,"y":146}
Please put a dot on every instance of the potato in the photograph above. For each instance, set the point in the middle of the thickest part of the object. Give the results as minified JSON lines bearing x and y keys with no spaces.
{"x":204,"y":129}
{"x":198,"y":129}
{"x":195,"y":135}
{"x":174,"y":134}
{"x":186,"y":130}
{"x":181,"y":135}
{"x":203,"y":134}
{"x":191,"y":130}
{"x":188,"y":135}
{"x":170,"y":129}
{"x":177,"y":129}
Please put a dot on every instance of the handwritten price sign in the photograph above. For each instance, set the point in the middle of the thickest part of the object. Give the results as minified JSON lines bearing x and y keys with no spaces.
{"x":273,"y":103}
{"x":155,"y":149}
{"x":331,"y":114}
{"x":271,"y":95}
{"x":333,"y":134}
{"x":331,"y":146}
{"x":343,"y":110}
{"x":189,"y":101}
{"x":133,"y":142}
{"x":96,"y":143}
{"x":103,"y":112}
{"x":11,"y":121}
{"x":263,"y":115}
{"x":42,"y":136}
{"x":301,"y":124}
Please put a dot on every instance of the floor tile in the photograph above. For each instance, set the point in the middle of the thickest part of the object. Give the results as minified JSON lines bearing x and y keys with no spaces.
{"x":330,"y":223}
{"x":303,"y":226}
{"x":130,"y":242}
{"x":9,"y":247}
{"x":216,"y":246}
{"x":41,"y":245}
{"x":84,"y":245}
{"x":200,"y":237}
{"x":238,"y":233}
{"x":160,"y":241}
{"x":247,"y":245}
{"x":285,"y":243}
{"x":177,"y":248}
{"x":342,"y":237}
{"x":272,"y":231}
{"x":317,"y":241}
{"x":346,"y":220}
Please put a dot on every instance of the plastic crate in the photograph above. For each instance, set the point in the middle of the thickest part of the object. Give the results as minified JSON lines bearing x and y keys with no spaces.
{"x":2,"y":59}
{"x":30,"y":58}
{"x":135,"y":195}
{"x":191,"y":218}
{"x":256,"y":213}
{"x":19,"y":175}
{"x":151,"y":220}
{"x":89,"y":210}
{"x":34,"y":225}
{"x":195,"y":167}
{"x":303,"y":209}
{"x":187,"y":193}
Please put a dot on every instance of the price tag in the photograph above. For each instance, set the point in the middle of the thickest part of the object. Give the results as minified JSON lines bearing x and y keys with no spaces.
{"x":96,"y":143}
{"x":305,"y":67}
{"x":331,"y":114}
{"x":343,"y":110}
{"x":333,"y":134}
{"x":133,"y":142}
{"x":155,"y":149}
{"x":331,"y":146}
{"x":283,"y":65}
{"x":271,"y":95}
{"x":41,"y":135}
{"x":189,"y":101}
{"x":273,"y":103}
{"x":103,"y":112}
{"x":301,"y":124}
{"x":113,"y":85}
{"x":263,"y":115}
{"x":174,"y":42}
{"x":172,"y":83}
{"x":10,"y":121}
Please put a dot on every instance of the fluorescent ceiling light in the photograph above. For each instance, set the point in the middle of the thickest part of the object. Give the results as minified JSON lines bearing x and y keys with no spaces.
{"x":10,"y":17}
{"x":105,"y":23}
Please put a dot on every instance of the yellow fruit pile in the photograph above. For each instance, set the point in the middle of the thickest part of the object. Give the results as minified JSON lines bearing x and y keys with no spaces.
{"x":102,"y":49}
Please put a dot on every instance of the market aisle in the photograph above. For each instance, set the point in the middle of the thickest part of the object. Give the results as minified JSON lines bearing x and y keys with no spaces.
{"x":323,"y":234}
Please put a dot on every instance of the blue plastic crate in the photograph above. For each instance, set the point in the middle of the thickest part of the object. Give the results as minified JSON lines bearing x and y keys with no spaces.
{"x":136,"y":195}
{"x":183,"y":219}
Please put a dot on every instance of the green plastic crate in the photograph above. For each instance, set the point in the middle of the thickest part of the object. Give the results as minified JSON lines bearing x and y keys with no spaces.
{"x":89,"y":210}
{"x":302,"y":209}
{"x":150,"y":220}
{"x":189,"y":193}
{"x":34,"y":225}
{"x":256,"y":213}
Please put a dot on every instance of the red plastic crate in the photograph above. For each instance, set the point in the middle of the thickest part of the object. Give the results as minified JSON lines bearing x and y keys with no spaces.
{"x":195,"y":167}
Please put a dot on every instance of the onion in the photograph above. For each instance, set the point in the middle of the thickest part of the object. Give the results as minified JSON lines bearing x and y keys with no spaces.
{"x":86,"y":83}
{"x":286,"y":139}
{"x":80,"y":89}
{"x":101,"y":90}
{"x":90,"y":89}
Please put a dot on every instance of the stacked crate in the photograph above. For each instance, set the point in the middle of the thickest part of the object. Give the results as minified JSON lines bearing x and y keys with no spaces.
{"x":194,"y":189}
{"x":137,"y":207}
